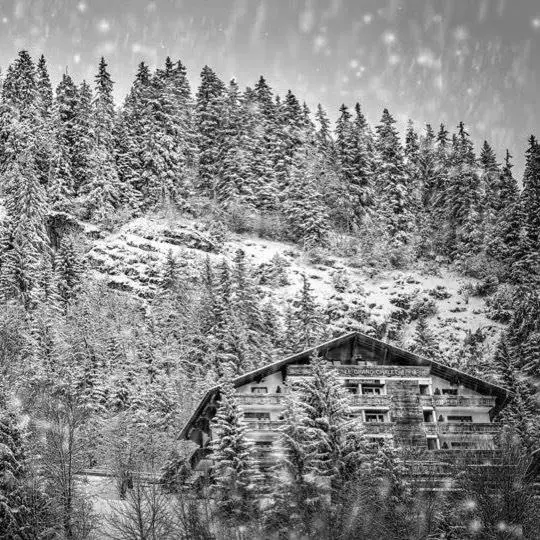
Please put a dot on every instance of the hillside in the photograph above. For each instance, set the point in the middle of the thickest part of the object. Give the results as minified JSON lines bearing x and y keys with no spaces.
{"x":130,"y":259}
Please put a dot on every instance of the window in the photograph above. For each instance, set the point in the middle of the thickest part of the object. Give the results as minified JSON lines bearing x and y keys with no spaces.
{"x":375,"y":416}
{"x":432,"y":443}
{"x":263,"y":445}
{"x":459,"y":418}
{"x":428,"y":416}
{"x":259,"y":390}
{"x":424,"y":389}
{"x":257,"y":416}
{"x":370,"y":389}
{"x":351,"y":386}
{"x":449,"y":391}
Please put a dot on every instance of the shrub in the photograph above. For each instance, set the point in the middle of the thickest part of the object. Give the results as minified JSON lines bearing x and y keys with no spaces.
{"x":500,"y":306}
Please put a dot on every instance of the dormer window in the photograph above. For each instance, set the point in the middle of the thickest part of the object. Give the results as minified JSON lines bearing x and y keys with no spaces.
{"x":449,"y":392}
{"x":259,"y":390}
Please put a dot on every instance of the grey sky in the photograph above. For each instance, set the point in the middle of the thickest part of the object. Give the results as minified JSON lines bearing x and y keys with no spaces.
{"x":446,"y":60}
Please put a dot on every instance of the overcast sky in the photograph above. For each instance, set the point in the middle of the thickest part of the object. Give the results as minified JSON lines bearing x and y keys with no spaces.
{"x":446,"y":60}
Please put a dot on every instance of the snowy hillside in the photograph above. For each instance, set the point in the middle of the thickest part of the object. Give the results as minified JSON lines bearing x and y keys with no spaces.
{"x":131,"y":259}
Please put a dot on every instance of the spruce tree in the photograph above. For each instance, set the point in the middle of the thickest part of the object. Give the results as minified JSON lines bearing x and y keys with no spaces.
{"x":235,"y":473}
{"x":208,"y":115}
{"x":101,"y":190}
{"x":530,"y":204}
{"x":304,"y":207}
{"x":335,"y":440}
{"x":396,"y":203}
{"x":425,"y":344}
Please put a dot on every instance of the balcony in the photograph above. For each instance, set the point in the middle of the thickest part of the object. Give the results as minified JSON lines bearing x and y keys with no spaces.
{"x":370,"y":400}
{"x":382,"y":372}
{"x":375,"y":428}
{"x":458,"y":401}
{"x":464,"y":428}
{"x":263,"y":425}
{"x":260,"y":399}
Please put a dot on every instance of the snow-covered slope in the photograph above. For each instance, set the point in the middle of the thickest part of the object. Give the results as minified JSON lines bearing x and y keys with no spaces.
{"x":131,"y":259}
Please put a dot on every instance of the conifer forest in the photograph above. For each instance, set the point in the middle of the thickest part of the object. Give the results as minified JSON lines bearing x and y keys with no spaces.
{"x":158,"y":244}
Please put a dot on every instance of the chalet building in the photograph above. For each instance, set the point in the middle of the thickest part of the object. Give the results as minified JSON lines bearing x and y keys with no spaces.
{"x":400,"y":397}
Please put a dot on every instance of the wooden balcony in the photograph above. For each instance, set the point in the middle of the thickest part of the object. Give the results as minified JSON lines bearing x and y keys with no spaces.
{"x":370,"y":400}
{"x":459,"y":428}
{"x":464,"y":428}
{"x":383,"y":372}
{"x":260,"y":399}
{"x":458,"y":401}
{"x":375,"y":428}
{"x":263,"y":425}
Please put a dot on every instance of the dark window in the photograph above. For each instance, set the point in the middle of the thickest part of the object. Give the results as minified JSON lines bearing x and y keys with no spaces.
{"x":431,"y":443}
{"x":351,"y":386}
{"x":424,"y":389}
{"x":368,"y":389}
{"x":428,"y":416}
{"x":449,"y":391}
{"x":263,"y":445}
{"x":375,"y":416}
{"x":259,"y":390}
{"x":459,"y":418}
{"x":257,"y":415}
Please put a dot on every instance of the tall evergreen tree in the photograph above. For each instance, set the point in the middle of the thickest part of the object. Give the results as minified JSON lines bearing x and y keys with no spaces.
{"x":396,"y":203}
{"x":208,"y":114}
{"x":235,"y":472}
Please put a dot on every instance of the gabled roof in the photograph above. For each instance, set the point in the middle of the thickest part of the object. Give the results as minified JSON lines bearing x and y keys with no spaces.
{"x":391,"y":353}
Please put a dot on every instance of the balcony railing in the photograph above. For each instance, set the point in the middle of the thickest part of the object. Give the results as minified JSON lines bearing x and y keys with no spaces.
{"x":260,"y":399}
{"x":370,"y":400}
{"x":458,"y":401}
{"x":367,"y":371}
{"x":263,"y":425}
{"x":372,"y":428}
{"x":467,"y":428}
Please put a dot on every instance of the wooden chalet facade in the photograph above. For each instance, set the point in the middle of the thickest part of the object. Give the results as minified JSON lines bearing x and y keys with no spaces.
{"x":399,"y":396}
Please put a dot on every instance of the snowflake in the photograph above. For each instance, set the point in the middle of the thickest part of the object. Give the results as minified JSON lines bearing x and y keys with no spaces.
{"x":368,"y":18}
{"x":82,"y":7}
{"x":536,"y":23}
{"x":104,"y":26}
{"x":389,"y":38}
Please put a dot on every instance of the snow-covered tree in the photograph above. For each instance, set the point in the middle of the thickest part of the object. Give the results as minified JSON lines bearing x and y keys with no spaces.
{"x":236,"y":475}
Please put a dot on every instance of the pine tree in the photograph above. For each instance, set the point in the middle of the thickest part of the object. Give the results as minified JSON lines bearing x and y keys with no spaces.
{"x":530,"y":204}
{"x":235,"y":473}
{"x":83,"y":166}
{"x":44,"y":88}
{"x":68,"y":270}
{"x":504,"y":242}
{"x":463,"y":202}
{"x":26,"y":210}
{"x":425,"y":344}
{"x":396,"y":203}
{"x":61,"y":187}
{"x":306,"y":318}
{"x":101,"y":190}
{"x":304,"y":207}
{"x":208,"y":114}
{"x":297,"y":502}
{"x":335,"y":441}
{"x":522,"y":410}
